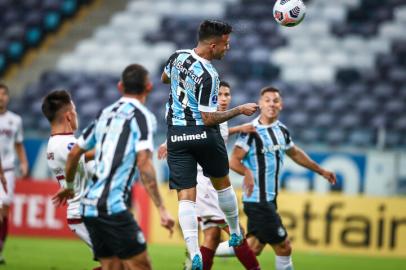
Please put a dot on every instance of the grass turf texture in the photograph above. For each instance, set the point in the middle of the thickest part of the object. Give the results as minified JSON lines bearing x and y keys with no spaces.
{"x":56,"y":254}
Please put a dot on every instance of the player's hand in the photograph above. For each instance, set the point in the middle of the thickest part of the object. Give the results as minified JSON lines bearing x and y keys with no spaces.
{"x":167,"y":220}
{"x":330,"y":176}
{"x":162,"y":151}
{"x":24,"y":169}
{"x":3,"y":182}
{"x":61,"y":197}
{"x":248,"y":183}
{"x":248,"y":108}
{"x":247,"y":128}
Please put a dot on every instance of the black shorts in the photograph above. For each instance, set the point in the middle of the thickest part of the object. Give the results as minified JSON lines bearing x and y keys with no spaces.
{"x":192,"y":145}
{"x":264,"y":223}
{"x":115,"y":235}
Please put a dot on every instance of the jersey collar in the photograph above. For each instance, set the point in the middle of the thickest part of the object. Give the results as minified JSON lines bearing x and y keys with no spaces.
{"x":62,"y":134}
{"x":256,"y":123}
{"x":201,"y":59}
{"x":134,"y":101}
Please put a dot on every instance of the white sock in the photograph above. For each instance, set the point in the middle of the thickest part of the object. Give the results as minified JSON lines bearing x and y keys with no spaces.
{"x":188,"y":223}
{"x":283,"y":262}
{"x":224,"y":250}
{"x":228,"y":204}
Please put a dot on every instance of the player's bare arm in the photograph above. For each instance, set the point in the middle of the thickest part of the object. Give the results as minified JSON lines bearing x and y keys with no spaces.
{"x":218,"y":117}
{"x":245,"y":128}
{"x":301,"y":158}
{"x":165,"y":79}
{"x":148,"y":178}
{"x":72,"y":162}
{"x":3,"y":178}
{"x":22,"y":157}
{"x":237,"y":166}
{"x":89,"y":155}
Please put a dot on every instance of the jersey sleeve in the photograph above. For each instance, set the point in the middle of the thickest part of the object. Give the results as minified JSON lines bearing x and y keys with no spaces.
{"x":242,"y":141}
{"x":142,"y":126}
{"x":87,"y":140}
{"x":168,"y":65}
{"x":19,"y":133}
{"x":288,"y":139}
{"x":208,"y":94}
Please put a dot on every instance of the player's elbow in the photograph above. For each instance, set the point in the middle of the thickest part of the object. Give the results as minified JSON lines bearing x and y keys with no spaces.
{"x":165,"y":79}
{"x":206,"y":119}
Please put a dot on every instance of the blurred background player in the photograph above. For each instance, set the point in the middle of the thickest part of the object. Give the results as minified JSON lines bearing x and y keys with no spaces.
{"x":60,"y":111}
{"x":258,"y":157}
{"x":193,"y":133}
{"x":123,"y":137}
{"x":11,"y":143}
{"x":212,"y":220}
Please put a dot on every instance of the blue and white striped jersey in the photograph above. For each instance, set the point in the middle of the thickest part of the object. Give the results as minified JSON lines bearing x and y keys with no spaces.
{"x":264,"y":158}
{"x":122,"y":129}
{"x":194,"y":88}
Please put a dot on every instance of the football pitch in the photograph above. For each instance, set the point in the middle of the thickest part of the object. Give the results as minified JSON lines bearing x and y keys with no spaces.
{"x":56,"y":254}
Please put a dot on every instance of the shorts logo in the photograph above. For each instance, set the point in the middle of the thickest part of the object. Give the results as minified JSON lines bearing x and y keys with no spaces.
{"x":191,"y":137}
{"x":214,"y":99}
{"x":70,"y":146}
{"x":140,"y":237}
{"x":281,"y":232}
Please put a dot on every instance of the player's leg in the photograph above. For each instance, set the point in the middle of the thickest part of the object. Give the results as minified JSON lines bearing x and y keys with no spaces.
{"x":183,"y":170}
{"x":283,"y":252}
{"x":6,"y":200}
{"x":138,"y":262}
{"x":211,"y":240}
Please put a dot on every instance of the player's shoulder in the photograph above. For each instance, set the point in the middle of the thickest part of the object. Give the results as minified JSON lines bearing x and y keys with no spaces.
{"x":282,"y":125}
{"x":61,"y":143}
{"x":13,"y":116}
{"x":177,"y":53}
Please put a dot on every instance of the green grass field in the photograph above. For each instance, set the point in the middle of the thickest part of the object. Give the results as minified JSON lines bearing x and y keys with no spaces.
{"x":56,"y":254}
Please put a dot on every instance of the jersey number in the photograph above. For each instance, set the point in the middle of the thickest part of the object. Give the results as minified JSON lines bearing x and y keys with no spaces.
{"x":182,"y":97}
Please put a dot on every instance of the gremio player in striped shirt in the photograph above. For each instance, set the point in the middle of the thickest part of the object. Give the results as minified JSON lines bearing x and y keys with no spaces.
{"x":259,"y":157}
{"x":193,"y":131}
{"x":122,"y":138}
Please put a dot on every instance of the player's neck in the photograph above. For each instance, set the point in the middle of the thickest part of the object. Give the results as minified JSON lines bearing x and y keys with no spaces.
{"x":202,"y":51}
{"x":263,"y":120}
{"x":141,"y":98}
{"x":64,"y":128}
{"x":3,"y":110}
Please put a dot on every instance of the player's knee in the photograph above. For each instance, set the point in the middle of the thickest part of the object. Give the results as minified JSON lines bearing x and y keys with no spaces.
{"x":212,"y":239}
{"x":257,"y":250}
{"x":284,"y":249}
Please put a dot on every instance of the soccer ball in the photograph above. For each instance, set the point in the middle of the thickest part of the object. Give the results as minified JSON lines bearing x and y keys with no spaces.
{"x":289,"y":12}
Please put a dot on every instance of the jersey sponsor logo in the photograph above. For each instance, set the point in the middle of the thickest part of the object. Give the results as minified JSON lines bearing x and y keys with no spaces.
{"x":92,"y":202}
{"x":214,"y":99}
{"x":197,"y":79}
{"x":6,"y":132}
{"x":70,"y":146}
{"x":58,"y":171}
{"x":274,"y":148}
{"x":50,"y":156}
{"x":190,"y":137}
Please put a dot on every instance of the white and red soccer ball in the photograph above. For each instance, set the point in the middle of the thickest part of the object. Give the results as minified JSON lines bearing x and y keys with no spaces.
{"x":289,"y":12}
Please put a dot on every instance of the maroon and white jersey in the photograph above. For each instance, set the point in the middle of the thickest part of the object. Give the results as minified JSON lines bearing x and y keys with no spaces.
{"x":59,"y":146}
{"x":11,"y":132}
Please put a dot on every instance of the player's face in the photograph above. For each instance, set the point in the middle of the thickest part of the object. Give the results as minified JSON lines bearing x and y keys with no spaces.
{"x":224,"y":98}
{"x":270,"y":105}
{"x":4,"y":99}
{"x":221,"y":46}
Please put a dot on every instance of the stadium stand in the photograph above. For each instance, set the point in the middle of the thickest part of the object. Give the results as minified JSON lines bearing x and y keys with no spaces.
{"x":339,"y":68}
{"x":24,"y":25}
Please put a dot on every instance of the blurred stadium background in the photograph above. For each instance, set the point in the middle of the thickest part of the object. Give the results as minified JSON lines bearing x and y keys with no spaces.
{"x":342,"y":73}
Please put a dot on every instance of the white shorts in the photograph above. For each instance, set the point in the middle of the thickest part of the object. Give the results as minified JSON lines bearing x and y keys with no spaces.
{"x":80,"y":230}
{"x":207,"y":204}
{"x":7,"y":198}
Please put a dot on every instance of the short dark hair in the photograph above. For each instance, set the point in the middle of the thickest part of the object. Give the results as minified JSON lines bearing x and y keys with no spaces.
{"x":211,"y":28}
{"x":269,"y":89}
{"x":5,"y":87}
{"x":225,"y":84}
{"x":54,"y":102}
{"x":134,"y":78}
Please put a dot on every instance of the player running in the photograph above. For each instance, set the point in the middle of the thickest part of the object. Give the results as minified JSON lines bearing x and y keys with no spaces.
{"x":11,"y":143}
{"x":258,"y":157}
{"x":193,"y":133}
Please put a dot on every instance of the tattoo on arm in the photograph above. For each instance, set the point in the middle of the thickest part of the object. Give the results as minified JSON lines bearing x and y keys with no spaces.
{"x":148,"y":178}
{"x":215,"y":118}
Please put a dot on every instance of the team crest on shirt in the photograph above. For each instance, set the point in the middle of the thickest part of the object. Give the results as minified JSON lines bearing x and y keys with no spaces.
{"x":214,"y":99}
{"x":140,"y":237}
{"x":70,"y":146}
{"x":281,"y":232}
